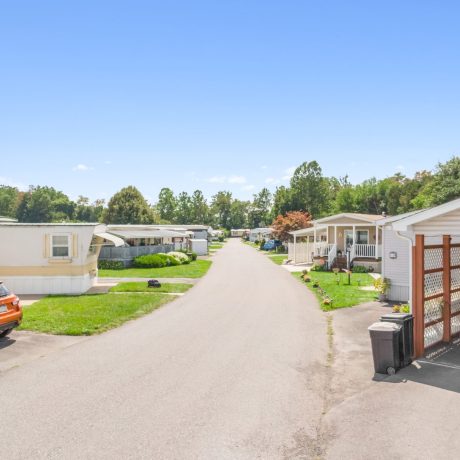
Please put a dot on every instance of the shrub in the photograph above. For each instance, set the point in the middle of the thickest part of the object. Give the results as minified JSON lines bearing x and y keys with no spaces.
{"x":281,"y":250}
{"x":318,"y":268}
{"x":401,"y":308}
{"x":262,"y":243}
{"x":191,"y":255}
{"x":359,"y":269}
{"x":221,"y":238}
{"x":155,"y":261}
{"x":180,"y":256}
{"x":110,"y":265}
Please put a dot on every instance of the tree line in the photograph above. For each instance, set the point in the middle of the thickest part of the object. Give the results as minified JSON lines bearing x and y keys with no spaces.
{"x":309,"y":190}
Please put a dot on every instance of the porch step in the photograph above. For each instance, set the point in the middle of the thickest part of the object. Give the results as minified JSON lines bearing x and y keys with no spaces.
{"x":339,"y":262}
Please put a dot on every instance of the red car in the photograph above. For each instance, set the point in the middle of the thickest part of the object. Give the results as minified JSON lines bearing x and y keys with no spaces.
{"x":10,"y":311}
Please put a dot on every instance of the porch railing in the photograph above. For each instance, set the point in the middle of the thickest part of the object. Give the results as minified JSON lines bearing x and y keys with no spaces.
{"x":331,"y":255}
{"x":365,"y":250}
{"x":322,"y":249}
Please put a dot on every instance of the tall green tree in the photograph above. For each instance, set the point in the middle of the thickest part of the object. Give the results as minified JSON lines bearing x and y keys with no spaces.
{"x":128,"y":206}
{"x":239,"y":214}
{"x":166,"y":205}
{"x":9,"y":201}
{"x":282,"y":201}
{"x":309,"y":189}
{"x":183,"y":209}
{"x":199,"y":208}
{"x":221,"y":205}
{"x":444,"y":185}
{"x":259,"y":211}
{"x":45,"y":204}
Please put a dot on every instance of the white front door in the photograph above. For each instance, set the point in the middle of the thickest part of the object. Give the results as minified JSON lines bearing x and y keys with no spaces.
{"x":348,"y":239}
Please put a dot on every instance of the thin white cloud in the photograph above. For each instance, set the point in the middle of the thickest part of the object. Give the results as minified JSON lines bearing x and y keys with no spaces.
{"x":248,"y":188}
{"x":237,"y":180}
{"x":217,"y":180}
{"x":272,"y":181}
{"x":227,"y":180}
{"x":12,"y":183}
{"x":81,"y":167}
{"x":400,"y":168}
{"x":264,"y":167}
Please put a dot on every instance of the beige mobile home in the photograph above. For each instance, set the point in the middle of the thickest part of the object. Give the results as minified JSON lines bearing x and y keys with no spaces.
{"x":51,"y":258}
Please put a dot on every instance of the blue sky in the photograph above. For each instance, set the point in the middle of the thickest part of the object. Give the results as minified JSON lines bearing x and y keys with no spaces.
{"x":96,"y":95}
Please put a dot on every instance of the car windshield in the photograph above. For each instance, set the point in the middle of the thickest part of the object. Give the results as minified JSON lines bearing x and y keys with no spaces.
{"x":3,"y":290}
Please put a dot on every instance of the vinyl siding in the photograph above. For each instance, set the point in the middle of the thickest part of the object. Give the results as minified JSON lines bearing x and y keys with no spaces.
{"x":396,"y":270}
{"x":448,"y":224}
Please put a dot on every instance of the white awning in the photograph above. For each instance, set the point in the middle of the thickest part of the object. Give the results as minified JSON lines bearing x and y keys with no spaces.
{"x":109,"y":237}
{"x":143,"y":234}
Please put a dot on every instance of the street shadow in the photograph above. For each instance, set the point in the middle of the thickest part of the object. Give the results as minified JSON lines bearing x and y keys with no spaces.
{"x":439,"y":368}
{"x":6,"y":342}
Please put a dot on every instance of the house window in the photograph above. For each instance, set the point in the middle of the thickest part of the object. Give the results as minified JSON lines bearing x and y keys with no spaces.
{"x":60,"y":246}
{"x":362,"y":237}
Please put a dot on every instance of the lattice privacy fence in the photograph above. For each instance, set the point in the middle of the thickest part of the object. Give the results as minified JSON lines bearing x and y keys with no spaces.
{"x":437,"y":293}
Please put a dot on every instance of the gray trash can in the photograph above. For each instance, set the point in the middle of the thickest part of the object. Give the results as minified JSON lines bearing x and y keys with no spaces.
{"x":406,"y":320}
{"x":385,"y":338}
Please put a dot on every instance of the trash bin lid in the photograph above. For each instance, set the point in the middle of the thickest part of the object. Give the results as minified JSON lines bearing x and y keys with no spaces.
{"x":396,"y":316}
{"x":387,"y":327}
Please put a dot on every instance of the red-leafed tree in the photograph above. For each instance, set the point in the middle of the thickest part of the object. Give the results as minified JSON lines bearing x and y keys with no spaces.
{"x":293,"y":220}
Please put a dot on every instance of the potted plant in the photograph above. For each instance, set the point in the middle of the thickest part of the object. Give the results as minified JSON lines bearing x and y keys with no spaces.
{"x":382,"y":285}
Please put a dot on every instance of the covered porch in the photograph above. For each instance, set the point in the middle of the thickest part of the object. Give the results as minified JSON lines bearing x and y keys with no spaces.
{"x":361,"y":241}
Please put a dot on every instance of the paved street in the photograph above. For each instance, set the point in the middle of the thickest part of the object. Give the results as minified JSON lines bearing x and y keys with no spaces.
{"x":235,"y":369}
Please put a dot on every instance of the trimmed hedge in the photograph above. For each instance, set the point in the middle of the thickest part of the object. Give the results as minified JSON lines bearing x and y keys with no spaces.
{"x":180,"y":256}
{"x":110,"y":265}
{"x":155,"y":261}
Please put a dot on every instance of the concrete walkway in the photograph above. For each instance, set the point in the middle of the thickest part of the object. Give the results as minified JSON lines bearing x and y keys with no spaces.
{"x":235,"y":369}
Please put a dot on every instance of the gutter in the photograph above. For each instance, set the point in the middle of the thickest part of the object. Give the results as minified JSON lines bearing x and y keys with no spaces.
{"x":411,"y":243}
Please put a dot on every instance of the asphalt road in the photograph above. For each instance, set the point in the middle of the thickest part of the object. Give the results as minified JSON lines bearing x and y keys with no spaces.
{"x":235,"y":369}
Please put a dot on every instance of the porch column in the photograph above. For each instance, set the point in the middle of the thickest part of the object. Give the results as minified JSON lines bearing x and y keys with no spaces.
{"x":376,"y":242}
{"x":295,"y":248}
{"x":335,"y":235}
{"x":446,"y":287}
{"x":418,"y":294}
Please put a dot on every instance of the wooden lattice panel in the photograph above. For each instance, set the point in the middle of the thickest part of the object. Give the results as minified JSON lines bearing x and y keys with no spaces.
{"x":455,"y":302}
{"x":455,"y":279}
{"x":455,"y":324}
{"x":433,"y":334}
{"x":433,"y":284}
{"x":455,"y":255}
{"x":433,"y":258}
{"x":433,"y":310}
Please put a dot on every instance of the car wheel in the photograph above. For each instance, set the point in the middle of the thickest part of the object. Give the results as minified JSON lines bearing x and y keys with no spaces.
{"x":5,"y":333}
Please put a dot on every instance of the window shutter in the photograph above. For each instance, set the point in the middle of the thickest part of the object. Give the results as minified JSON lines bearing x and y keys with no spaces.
{"x":74,"y":245}
{"x":46,"y":246}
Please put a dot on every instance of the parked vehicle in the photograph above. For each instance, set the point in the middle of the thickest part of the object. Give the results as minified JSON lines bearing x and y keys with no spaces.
{"x":10,"y":311}
{"x":271,"y":245}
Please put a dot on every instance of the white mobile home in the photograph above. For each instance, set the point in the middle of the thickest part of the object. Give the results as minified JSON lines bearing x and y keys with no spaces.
{"x":51,"y":258}
{"x":331,"y":238}
{"x":259,"y":234}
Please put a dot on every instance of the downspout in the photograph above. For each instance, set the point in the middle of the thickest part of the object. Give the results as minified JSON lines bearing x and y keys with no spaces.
{"x":411,"y":244}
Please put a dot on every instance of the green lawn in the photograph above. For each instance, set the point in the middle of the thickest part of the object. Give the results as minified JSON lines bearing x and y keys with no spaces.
{"x":254,"y":245}
{"x":336,"y":287}
{"x":88,"y":314}
{"x":278,"y":259}
{"x":141,"y":286}
{"x":216,"y":245}
{"x":195,"y":269}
